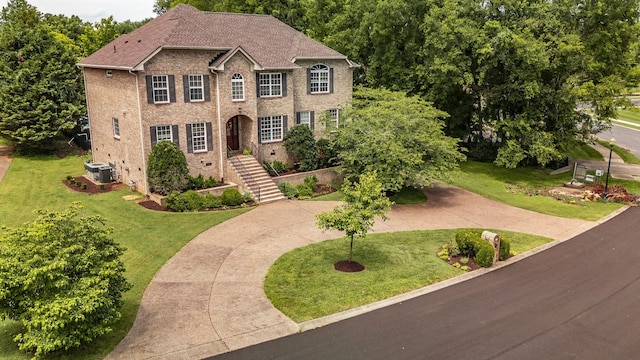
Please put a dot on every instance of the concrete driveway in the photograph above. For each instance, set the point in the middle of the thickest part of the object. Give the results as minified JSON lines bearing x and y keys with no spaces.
{"x":208,"y":299}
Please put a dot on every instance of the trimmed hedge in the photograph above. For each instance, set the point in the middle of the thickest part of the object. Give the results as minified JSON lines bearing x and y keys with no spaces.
{"x":505,"y":249}
{"x":484,"y":253}
{"x":231,"y":197}
{"x":466,"y":240}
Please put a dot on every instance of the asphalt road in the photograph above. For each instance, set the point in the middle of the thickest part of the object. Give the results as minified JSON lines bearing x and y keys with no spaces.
{"x":577,"y":300}
{"x":625,"y":137}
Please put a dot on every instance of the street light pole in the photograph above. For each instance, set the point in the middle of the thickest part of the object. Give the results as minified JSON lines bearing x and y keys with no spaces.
{"x":606,"y":184}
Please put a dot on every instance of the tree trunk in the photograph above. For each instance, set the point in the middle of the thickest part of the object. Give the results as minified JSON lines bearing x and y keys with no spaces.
{"x":351,"y":248}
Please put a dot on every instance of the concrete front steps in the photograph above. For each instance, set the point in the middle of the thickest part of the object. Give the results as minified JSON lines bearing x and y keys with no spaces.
{"x":256,"y":179}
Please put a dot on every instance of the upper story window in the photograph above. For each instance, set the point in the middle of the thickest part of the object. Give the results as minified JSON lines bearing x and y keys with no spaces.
{"x":116,"y":128}
{"x":196,"y":88}
{"x":160,"y":89}
{"x":270,"y":84}
{"x":237,"y":87}
{"x":319,"y":79}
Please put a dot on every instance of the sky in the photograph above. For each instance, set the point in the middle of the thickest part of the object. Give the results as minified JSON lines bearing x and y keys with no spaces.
{"x":94,"y":10}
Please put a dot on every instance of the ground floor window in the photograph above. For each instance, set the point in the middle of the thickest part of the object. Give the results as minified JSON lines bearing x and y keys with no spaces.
{"x":199,"y":137}
{"x":271,"y":128}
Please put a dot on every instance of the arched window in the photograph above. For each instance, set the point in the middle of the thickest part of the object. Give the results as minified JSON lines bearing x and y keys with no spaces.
{"x":237,"y":87}
{"x":319,"y":79}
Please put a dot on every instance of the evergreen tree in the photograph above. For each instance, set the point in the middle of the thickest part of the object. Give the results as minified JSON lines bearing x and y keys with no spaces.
{"x":41,"y":90}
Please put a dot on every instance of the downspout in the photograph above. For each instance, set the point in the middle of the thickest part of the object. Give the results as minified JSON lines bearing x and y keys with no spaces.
{"x":220,"y":127}
{"x":144,"y":158}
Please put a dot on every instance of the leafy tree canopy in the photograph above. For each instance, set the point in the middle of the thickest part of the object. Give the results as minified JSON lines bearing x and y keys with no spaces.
{"x":300,"y":142}
{"x":62,"y":278}
{"x":399,"y":138}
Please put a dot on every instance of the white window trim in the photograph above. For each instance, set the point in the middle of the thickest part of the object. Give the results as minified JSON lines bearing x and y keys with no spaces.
{"x":318,"y":70}
{"x":153,"y":83}
{"x":238,"y":80}
{"x":116,"y":127}
{"x":270,"y":85}
{"x":201,"y":87}
{"x":203,"y":137}
{"x":158,"y":133}
{"x":271,"y":119}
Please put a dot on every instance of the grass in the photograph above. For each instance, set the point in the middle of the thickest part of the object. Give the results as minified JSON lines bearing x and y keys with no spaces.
{"x":304,"y":286}
{"x":151,"y":237}
{"x":626,"y":156}
{"x":518,"y":187}
{"x":409,"y":196}
{"x":585,"y":152}
{"x":631,"y":115}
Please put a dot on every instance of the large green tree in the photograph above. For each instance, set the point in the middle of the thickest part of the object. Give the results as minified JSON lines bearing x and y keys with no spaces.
{"x":41,"y":91}
{"x":512,"y":73}
{"x":60,"y":276}
{"x":398,"y":137}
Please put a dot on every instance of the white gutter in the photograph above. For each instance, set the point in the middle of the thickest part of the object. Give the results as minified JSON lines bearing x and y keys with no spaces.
{"x":144,"y":159}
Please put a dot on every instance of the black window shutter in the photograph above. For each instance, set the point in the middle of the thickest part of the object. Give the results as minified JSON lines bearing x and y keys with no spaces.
{"x":174,"y":134}
{"x":209,"y":137}
{"x":207,"y":88}
{"x":284,"y":84}
{"x":285,"y":125}
{"x":189,"y":140}
{"x":312,"y":120}
{"x":172,"y":88}
{"x":309,"y":81}
{"x":257,"y":85}
{"x":149,"y":81}
{"x":259,"y":131}
{"x":331,"y":80}
{"x":297,"y":118}
{"x":185,"y":86}
{"x":154,"y":136}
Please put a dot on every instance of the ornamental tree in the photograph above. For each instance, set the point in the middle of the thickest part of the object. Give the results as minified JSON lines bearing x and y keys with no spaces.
{"x":299,"y":141}
{"x":167,"y":168}
{"x":398,"y":137}
{"x":61,"y":276}
{"x":364,"y":201}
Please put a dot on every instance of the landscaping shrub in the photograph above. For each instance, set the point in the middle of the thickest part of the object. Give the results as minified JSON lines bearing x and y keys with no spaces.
{"x":247,"y":197}
{"x":177,"y":202}
{"x":210,"y":182}
{"x":70,"y":178}
{"x":327,"y":157}
{"x":505,"y":249}
{"x":299,"y":141}
{"x":275,"y":166}
{"x":484,"y":253}
{"x":304,"y":192}
{"x":167,"y":168}
{"x":193,"y":200}
{"x":83,"y":186}
{"x":231,"y":197}
{"x":311,"y":182}
{"x":211,"y":201}
{"x":466,"y":240}
{"x":288,"y":190}
{"x":196,"y":182}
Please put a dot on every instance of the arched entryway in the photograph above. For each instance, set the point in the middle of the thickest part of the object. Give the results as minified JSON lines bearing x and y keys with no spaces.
{"x":239,"y":132}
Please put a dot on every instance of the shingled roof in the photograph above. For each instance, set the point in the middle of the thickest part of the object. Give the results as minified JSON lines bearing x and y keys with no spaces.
{"x":270,"y":43}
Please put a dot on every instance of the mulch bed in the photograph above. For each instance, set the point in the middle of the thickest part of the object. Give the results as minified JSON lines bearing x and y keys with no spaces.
{"x":91,"y":187}
{"x":348,"y":266}
{"x":471,"y":263}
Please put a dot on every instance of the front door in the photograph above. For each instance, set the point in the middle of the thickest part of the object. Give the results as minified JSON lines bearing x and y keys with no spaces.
{"x":233,"y":140}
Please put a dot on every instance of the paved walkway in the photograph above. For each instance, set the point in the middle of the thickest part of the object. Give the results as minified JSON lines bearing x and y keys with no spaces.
{"x":208,"y":299}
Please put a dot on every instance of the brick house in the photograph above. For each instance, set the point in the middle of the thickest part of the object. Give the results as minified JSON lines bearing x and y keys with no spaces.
{"x":213,"y":83}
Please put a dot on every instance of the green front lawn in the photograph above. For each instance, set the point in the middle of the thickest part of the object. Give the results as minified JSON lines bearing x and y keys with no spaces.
{"x":631,"y":115}
{"x":626,"y":156}
{"x":303,"y":284}
{"x":520,"y":187}
{"x":151,"y":237}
